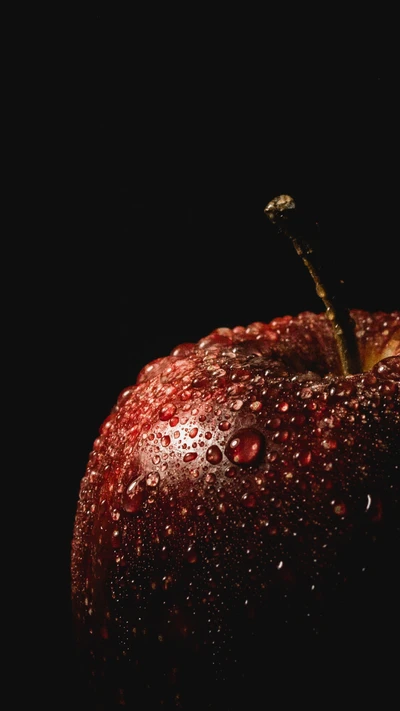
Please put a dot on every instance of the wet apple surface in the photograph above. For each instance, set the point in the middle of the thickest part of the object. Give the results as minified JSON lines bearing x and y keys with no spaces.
{"x":241,"y":501}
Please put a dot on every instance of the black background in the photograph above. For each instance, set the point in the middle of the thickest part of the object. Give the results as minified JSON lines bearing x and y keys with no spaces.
{"x":160,"y":140}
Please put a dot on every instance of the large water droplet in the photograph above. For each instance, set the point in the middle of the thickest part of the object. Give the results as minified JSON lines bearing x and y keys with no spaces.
{"x":245,"y":447}
{"x":214,"y":454}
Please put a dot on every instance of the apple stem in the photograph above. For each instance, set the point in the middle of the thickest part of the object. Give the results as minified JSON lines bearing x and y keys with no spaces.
{"x":284,"y":216}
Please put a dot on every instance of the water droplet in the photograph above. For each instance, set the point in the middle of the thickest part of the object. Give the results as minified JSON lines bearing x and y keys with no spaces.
{"x":282,"y":436}
{"x":191,"y":555}
{"x":214,"y":454}
{"x":183,"y":350}
{"x":303,"y":457}
{"x":124,"y":395}
{"x":249,"y":500}
{"x":201,"y":383}
{"x":106,"y":425}
{"x":190,"y":456}
{"x":193,"y":432}
{"x":166,"y":412}
{"x":224,"y":426}
{"x":329,"y":443}
{"x":133,"y":496}
{"x":388,"y":387}
{"x":166,"y":441}
{"x":153,"y":479}
{"x":339,"y":508}
{"x":245,"y":447}
{"x":237,"y":405}
{"x":256,"y":406}
{"x":116,"y":538}
{"x":298,"y":420}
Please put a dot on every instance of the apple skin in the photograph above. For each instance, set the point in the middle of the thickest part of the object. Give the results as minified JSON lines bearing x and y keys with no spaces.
{"x":239,"y":509}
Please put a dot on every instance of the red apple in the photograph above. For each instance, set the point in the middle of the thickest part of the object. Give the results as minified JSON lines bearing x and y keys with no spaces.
{"x":240,"y":505}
